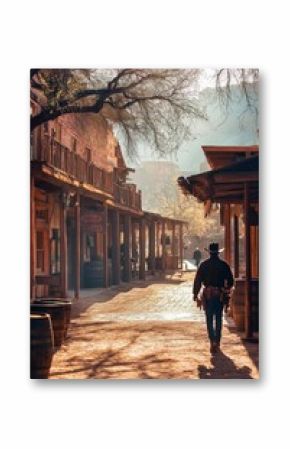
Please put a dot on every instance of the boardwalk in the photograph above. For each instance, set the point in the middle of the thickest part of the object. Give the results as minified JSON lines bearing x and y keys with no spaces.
{"x":148,"y":330}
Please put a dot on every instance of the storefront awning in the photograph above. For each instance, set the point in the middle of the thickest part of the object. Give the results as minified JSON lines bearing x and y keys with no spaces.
{"x":225,"y":184}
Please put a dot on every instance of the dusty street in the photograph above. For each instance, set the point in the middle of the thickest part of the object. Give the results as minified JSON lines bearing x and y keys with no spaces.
{"x":148,"y":330}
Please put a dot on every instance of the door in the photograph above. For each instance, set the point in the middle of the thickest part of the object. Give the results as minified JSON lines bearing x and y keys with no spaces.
{"x":42,"y":259}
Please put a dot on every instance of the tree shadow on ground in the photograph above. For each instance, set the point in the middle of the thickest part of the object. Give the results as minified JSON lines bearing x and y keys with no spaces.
{"x":223,"y":368}
{"x":152,"y":350}
{"x":125,"y":351}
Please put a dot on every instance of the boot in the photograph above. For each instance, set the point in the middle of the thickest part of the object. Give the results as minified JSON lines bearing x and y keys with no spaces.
{"x":212,"y":347}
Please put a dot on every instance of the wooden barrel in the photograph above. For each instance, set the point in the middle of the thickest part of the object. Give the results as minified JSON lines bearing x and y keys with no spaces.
{"x":93,"y":274}
{"x":67,"y":309}
{"x":41,"y":345}
{"x":57,"y":314}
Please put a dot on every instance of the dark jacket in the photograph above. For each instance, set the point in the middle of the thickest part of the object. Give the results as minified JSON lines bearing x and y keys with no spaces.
{"x":212,"y":272}
{"x":197,"y":254}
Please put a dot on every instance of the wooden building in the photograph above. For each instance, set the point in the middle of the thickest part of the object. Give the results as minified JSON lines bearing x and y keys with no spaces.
{"x":233,"y":183}
{"x":88,"y":228}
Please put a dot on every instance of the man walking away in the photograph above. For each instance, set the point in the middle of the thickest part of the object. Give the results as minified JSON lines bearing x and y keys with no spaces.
{"x":216,"y":278}
{"x":197,"y":256}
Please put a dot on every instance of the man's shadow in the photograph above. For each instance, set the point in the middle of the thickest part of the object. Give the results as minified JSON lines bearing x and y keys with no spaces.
{"x":223,"y":368}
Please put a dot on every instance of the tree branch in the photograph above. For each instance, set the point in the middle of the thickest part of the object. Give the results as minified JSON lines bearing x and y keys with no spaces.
{"x":47,"y":115}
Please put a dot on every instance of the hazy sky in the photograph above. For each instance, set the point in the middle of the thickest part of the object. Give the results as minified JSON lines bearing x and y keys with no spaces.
{"x":236,"y":126}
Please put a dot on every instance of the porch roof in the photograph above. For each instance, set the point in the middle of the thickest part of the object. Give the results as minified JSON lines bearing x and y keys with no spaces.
{"x":153,"y":216}
{"x":225,"y":184}
{"x":221,"y":156}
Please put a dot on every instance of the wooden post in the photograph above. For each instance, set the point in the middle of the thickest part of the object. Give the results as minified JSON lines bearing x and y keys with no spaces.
{"x":158,"y":240}
{"x":181,"y":244}
{"x":236,"y":247}
{"x":78,"y":245}
{"x":142,"y":249}
{"x":173,"y":240}
{"x":127,"y":248}
{"x":116,"y":247}
{"x":173,"y":247}
{"x":227,"y":231}
{"x":163,"y":246}
{"x":105,"y":246}
{"x":152,"y":246}
{"x":32,"y":238}
{"x":254,"y":251}
{"x":257,"y":251}
{"x":63,"y":249}
{"x":134,"y":248}
{"x":248,"y":327}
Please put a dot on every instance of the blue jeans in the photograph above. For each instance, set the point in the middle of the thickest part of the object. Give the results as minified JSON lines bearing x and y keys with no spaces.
{"x":214,"y":312}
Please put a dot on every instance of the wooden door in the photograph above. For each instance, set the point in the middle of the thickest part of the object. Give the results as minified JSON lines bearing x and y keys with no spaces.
{"x":42,"y":259}
{"x":42,"y":243}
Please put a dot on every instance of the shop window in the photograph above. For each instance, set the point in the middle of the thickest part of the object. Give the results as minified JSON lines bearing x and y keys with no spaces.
{"x":42,"y":214}
{"x":89,"y":247}
{"x":55,"y":251}
{"x":40,"y":257}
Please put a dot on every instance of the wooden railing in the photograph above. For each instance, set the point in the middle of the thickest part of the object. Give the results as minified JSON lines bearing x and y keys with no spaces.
{"x":66,"y":160}
{"x":127,"y":196}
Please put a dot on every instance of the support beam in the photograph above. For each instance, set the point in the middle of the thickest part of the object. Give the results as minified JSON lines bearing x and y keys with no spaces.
{"x":78,"y":245}
{"x":32,"y":239}
{"x":142,"y":249}
{"x":254,"y":252}
{"x":152,"y":240}
{"x":181,"y":245}
{"x":63,"y":249}
{"x":127,"y":248}
{"x":227,"y":231}
{"x":173,"y":240}
{"x":236,"y":247}
{"x":163,"y":246}
{"x":134,"y":249}
{"x":158,"y":239}
{"x":248,"y":327}
{"x":116,"y":247}
{"x":105,"y":247}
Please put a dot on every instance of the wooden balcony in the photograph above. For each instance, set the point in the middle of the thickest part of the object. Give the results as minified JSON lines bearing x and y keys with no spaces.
{"x":126,"y":195}
{"x":72,"y":164}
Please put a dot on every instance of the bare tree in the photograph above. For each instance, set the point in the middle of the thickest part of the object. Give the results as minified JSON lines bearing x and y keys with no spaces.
{"x":153,"y":105}
{"x":245,"y":79}
{"x":156,"y":105}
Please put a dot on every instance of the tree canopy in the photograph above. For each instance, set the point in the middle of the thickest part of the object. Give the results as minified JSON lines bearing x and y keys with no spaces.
{"x":155,"y":105}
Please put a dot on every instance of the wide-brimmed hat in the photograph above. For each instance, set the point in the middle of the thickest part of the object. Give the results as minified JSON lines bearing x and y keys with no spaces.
{"x":213,"y":248}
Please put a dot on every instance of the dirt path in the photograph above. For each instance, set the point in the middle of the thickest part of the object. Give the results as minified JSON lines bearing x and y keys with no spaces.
{"x":148,"y":330}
